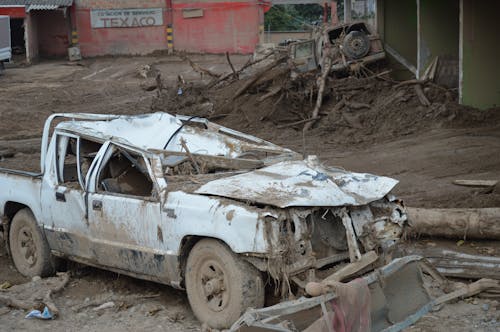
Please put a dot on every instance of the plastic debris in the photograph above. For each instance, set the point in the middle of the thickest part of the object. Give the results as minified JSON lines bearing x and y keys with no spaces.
{"x":45,"y":315}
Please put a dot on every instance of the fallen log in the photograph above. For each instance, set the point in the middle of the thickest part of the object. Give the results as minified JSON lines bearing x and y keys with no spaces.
{"x":455,"y":223}
{"x":471,"y":183}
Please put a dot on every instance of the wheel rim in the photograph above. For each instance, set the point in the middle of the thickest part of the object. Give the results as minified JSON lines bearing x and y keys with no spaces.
{"x":213,"y":285}
{"x":27,"y":246}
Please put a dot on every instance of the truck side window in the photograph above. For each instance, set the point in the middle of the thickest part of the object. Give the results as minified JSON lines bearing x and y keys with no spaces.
{"x":125,"y":173}
{"x":88,"y":152}
{"x":72,"y":159}
{"x":67,"y":168}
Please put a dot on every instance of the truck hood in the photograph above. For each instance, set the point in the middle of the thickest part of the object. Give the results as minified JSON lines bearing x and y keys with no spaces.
{"x":301,"y":183}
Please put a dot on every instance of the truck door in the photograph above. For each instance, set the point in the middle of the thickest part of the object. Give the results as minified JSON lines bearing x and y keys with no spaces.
{"x":63,"y":197}
{"x":124,"y":214}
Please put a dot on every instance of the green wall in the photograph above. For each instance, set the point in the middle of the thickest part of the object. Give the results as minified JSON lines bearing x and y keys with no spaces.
{"x":439,"y":31}
{"x":400,"y":27}
{"x":481,"y":54}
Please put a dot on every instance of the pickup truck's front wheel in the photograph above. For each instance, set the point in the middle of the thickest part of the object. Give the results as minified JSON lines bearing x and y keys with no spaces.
{"x":220,"y":285}
{"x":28,"y":247}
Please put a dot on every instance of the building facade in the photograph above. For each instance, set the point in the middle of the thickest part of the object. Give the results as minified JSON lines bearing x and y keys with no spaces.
{"x":47,"y":28}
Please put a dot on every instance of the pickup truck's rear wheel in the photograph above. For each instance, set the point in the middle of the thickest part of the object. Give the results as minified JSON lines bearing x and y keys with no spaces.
{"x":220,"y":285}
{"x":28,"y":247}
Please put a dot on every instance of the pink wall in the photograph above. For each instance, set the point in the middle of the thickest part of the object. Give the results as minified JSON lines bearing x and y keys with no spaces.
{"x":113,"y":41}
{"x":224,"y":26}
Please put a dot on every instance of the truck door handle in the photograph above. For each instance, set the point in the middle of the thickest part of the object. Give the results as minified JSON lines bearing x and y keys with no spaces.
{"x":97,"y":205}
{"x":60,"y":197}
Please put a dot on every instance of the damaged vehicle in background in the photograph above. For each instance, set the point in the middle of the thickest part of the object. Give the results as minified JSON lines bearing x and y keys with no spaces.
{"x":188,"y":203}
{"x":356,"y":43}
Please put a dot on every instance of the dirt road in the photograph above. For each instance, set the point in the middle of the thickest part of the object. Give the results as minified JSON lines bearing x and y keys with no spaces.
{"x":425,"y":161}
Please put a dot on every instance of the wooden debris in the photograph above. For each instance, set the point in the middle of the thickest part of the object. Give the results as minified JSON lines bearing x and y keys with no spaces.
{"x":421,"y":96}
{"x":112,"y":298}
{"x":257,"y":76}
{"x":298,"y":122}
{"x":455,"y":223}
{"x":452,"y":263}
{"x":271,"y":93}
{"x":472,"y":183}
{"x":195,"y":163}
{"x":356,"y":105}
{"x":470,"y":290}
{"x":35,"y":294}
{"x":235,"y":74}
{"x":200,"y":69}
{"x":409,"y":82}
{"x":328,"y":284}
{"x":321,"y":88}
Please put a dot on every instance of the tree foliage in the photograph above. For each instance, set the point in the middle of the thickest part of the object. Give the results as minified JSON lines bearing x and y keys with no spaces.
{"x":297,"y":17}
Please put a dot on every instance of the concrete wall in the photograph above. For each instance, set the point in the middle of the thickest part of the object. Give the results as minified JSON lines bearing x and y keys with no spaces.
{"x":104,"y":41}
{"x":219,"y":26}
{"x":31,"y":37}
{"x":439,"y":33}
{"x":53,"y":32}
{"x":480,"y":81}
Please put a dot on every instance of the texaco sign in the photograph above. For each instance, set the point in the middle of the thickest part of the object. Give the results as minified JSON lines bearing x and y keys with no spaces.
{"x":126,"y":18}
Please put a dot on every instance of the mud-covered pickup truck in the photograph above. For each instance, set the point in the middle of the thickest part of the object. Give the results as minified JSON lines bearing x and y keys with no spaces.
{"x":186,"y":202}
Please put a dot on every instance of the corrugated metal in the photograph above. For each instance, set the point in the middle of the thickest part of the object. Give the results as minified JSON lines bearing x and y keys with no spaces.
{"x":41,"y":7}
{"x":43,"y":4}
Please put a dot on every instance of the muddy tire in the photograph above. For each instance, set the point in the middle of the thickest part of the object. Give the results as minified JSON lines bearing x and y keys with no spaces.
{"x":220,"y":285}
{"x":28,"y":246}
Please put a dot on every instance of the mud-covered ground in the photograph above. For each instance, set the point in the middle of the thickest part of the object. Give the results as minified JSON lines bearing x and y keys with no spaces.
{"x":424,"y":151}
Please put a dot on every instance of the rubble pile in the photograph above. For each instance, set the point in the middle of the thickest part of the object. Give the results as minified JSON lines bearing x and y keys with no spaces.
{"x":356,"y":106}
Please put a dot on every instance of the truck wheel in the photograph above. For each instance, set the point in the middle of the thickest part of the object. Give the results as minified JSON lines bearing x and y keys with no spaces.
{"x":28,"y":247}
{"x":356,"y":44}
{"x":220,"y":285}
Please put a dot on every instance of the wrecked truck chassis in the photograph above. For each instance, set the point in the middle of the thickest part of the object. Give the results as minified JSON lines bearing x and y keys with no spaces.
{"x":393,"y":308}
{"x":139,"y":194}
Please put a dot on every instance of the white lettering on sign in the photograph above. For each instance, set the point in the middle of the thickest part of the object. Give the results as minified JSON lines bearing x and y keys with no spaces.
{"x":126,"y":18}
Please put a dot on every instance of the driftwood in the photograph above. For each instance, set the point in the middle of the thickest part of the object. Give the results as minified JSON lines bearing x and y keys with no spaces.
{"x":421,"y":96}
{"x":35,"y":294}
{"x":297,"y":123}
{"x":257,"y":76}
{"x":231,"y":74}
{"x":475,"y":288}
{"x":196,"y":67}
{"x":321,"y":88}
{"x":455,"y":223}
{"x":472,"y":183}
{"x":235,"y":74}
{"x":410,"y":82}
{"x":112,"y":298}
{"x":271,"y":93}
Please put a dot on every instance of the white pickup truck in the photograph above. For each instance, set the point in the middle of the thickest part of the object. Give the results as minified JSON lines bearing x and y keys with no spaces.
{"x":186,"y":202}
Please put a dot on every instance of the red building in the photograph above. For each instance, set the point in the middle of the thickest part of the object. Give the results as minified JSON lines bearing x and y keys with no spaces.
{"x":48,"y":28}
